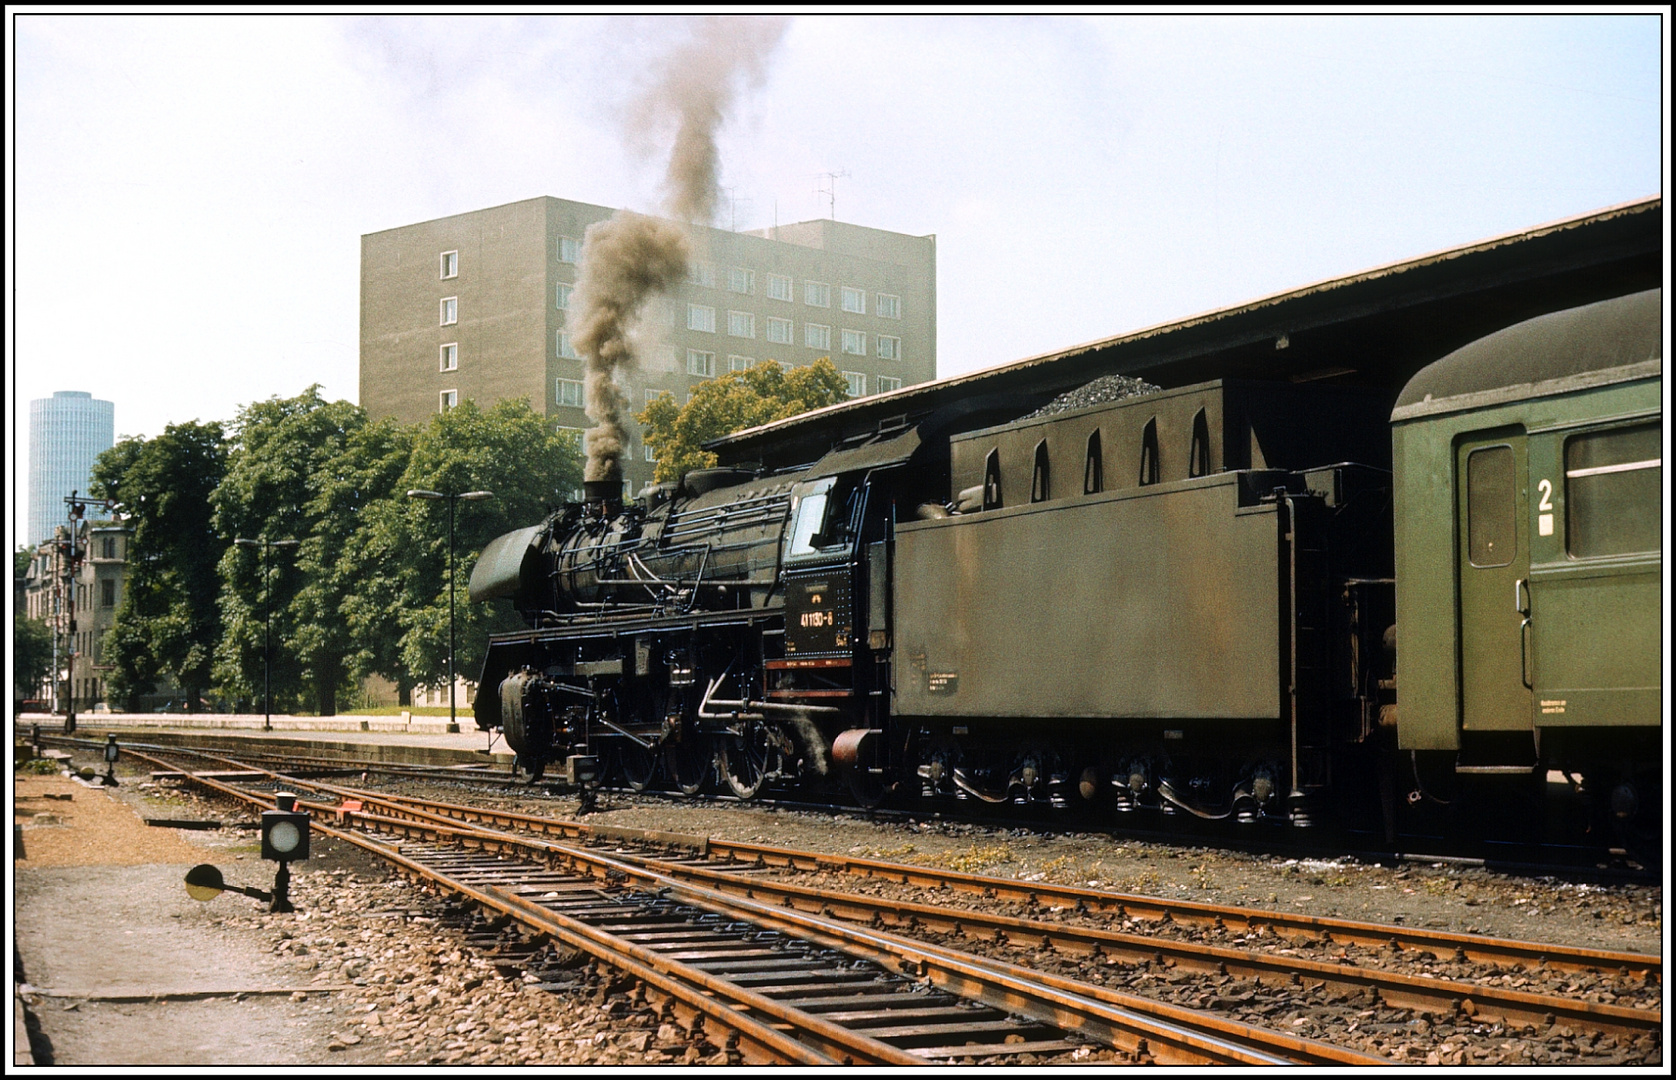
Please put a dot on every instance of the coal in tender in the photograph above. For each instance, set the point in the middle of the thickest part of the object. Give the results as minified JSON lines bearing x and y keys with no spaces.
{"x":1099,"y":392}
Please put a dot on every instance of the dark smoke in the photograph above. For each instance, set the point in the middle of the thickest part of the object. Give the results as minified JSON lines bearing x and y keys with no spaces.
{"x":631,"y":258}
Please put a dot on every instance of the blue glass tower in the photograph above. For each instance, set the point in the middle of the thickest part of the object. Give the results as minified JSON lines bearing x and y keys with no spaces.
{"x":67,"y":431}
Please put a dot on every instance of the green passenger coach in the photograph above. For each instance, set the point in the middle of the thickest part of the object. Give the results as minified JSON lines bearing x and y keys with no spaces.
{"x":1529,"y":532}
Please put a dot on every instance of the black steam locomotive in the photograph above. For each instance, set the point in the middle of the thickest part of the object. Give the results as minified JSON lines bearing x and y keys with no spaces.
{"x":1183,"y":602}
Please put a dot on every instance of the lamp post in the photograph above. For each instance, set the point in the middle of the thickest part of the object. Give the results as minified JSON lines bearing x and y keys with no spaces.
{"x":268,"y":623}
{"x":453,"y":722}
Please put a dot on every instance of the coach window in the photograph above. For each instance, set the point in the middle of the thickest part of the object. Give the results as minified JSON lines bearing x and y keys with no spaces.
{"x":1613,"y":491}
{"x":1491,"y":533}
{"x":992,"y":481}
{"x":1039,"y":474}
{"x":1149,"y":452}
{"x":1093,"y":471}
{"x":1198,"y":455}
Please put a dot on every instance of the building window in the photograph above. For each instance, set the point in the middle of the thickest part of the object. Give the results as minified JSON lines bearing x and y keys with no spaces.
{"x":570,"y":250}
{"x":1039,"y":474}
{"x":779,"y":287}
{"x":1093,"y":467}
{"x":741,"y":324}
{"x":1149,"y":453}
{"x":653,"y":394}
{"x":569,"y":392}
{"x":447,"y":400}
{"x":890,"y":348}
{"x":854,"y":300}
{"x":449,"y":358}
{"x":450,"y":264}
{"x":702,"y":318}
{"x":853,"y":342}
{"x":817,"y":294}
{"x":992,"y":481}
{"x":107,"y":592}
{"x":574,"y":434}
{"x":561,"y":296}
{"x":107,"y":547}
{"x":565,"y":348}
{"x":817,"y":337}
{"x":886,"y":384}
{"x":450,"y":310}
{"x":702,"y":364}
{"x":740,"y":280}
{"x":857,"y":381}
{"x":886,"y":306}
{"x":1198,"y":453}
{"x":739,"y":363}
{"x":702,"y":273}
{"x":779,"y":331}
{"x":646,"y":452}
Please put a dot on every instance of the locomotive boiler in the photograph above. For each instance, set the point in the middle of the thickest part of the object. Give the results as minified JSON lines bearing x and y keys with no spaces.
{"x":1188,"y":602}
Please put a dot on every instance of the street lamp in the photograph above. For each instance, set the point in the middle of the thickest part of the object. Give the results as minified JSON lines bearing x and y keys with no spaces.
{"x":268,"y":623}
{"x":474,"y":496}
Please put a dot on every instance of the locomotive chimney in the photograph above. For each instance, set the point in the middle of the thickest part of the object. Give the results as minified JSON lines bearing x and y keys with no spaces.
{"x":609,"y":492}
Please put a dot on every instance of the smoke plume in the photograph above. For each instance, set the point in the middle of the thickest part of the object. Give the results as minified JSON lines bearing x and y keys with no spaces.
{"x":631,"y":258}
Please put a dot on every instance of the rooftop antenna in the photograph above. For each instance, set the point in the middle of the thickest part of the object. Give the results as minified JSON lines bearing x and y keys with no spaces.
{"x":733,"y":202}
{"x":830,"y":190}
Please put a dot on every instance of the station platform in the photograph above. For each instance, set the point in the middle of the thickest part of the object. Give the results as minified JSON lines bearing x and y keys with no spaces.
{"x":387,"y":738}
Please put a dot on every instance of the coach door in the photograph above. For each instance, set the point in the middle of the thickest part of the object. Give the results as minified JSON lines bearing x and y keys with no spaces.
{"x":1494,"y":561}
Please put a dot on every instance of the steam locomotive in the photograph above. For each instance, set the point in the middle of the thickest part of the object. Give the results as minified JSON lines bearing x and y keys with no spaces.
{"x":1185,"y":602}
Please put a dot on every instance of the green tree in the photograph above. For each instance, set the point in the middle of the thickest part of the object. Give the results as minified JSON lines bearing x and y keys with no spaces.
{"x":283,"y":457}
{"x":733,"y":402}
{"x":354,"y":501}
{"x":508,"y":450}
{"x":31,"y":654}
{"x":168,"y":623}
{"x":21,"y":558}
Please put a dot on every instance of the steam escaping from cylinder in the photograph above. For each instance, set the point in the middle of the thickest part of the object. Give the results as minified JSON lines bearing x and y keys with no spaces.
{"x":631,"y":258}
{"x":811,"y":741}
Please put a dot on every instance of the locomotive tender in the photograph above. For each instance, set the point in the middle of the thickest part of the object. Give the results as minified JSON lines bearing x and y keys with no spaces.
{"x":1185,"y":602}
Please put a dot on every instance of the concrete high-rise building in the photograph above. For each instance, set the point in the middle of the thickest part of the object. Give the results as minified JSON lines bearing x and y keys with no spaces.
{"x":67,"y":431}
{"x":473,"y":307}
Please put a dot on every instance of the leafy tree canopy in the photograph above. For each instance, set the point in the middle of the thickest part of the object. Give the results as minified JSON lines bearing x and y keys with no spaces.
{"x":730,"y":403}
{"x":285,"y":451}
{"x":31,"y":654}
{"x":169,"y":622}
{"x":508,"y":450}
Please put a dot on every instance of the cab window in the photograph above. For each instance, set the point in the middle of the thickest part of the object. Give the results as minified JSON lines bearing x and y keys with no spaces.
{"x":1614,"y":491}
{"x":806,"y":530}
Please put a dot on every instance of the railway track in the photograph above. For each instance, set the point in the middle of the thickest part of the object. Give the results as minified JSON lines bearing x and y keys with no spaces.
{"x":854,"y":996}
{"x":733,"y":882}
{"x":1584,"y":863}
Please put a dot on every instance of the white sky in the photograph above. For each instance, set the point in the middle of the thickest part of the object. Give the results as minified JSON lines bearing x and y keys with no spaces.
{"x":187,"y":193}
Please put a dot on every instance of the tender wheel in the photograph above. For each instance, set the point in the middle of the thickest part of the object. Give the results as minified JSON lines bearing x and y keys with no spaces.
{"x":690,"y":764}
{"x":640,"y":765}
{"x":747,"y":759}
{"x":527,"y":770}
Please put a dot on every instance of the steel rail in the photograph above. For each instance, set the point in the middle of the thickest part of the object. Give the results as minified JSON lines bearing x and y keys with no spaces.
{"x":1475,"y":947}
{"x":1139,"y":1025}
{"x":1071,"y":1007}
{"x":1168,"y":1034}
{"x":1426,"y":993}
{"x":1420,"y":992}
{"x":697,"y":990}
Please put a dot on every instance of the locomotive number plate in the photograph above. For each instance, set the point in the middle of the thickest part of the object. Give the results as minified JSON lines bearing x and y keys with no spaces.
{"x":818,"y":614}
{"x":942,"y":682}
